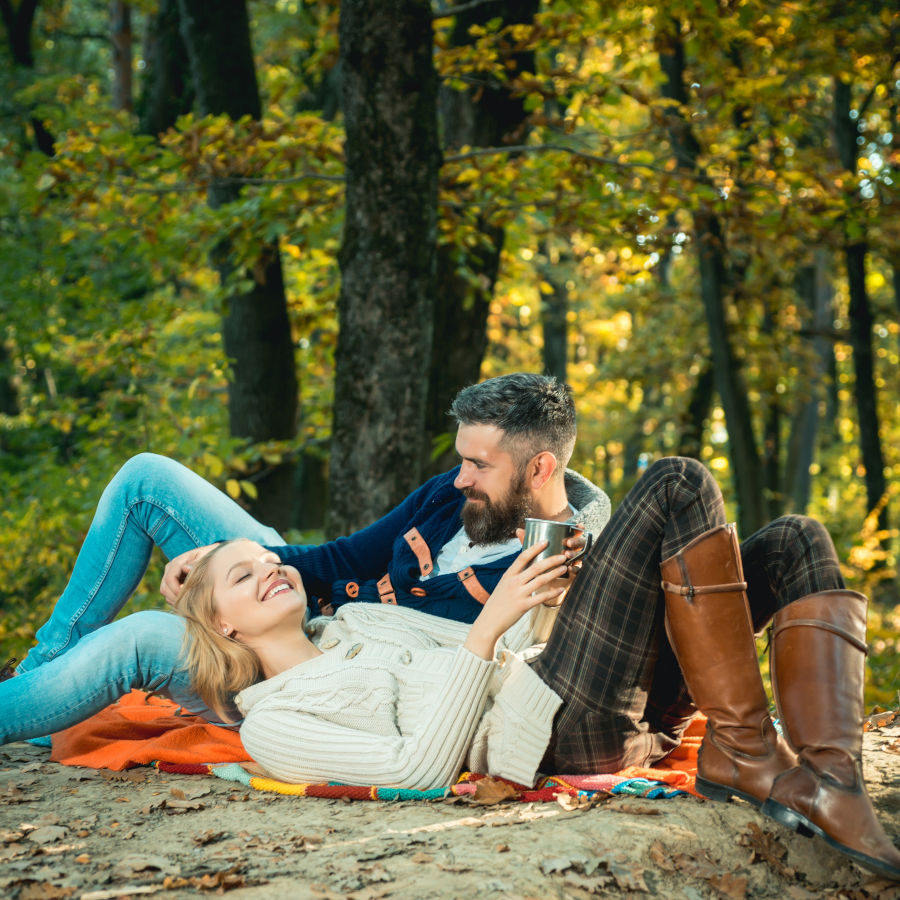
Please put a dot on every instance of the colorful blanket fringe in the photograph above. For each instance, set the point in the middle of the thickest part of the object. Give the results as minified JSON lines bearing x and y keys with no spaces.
{"x":547,"y":789}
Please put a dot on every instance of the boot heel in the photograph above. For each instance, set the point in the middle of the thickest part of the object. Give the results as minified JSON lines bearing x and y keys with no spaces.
{"x":713,"y":791}
{"x":786,"y":817}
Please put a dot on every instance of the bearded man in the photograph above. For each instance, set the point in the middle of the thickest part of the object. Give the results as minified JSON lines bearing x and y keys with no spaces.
{"x":445,"y":547}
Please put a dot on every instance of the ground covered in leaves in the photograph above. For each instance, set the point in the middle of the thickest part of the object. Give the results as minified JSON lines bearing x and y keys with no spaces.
{"x":91,"y":835}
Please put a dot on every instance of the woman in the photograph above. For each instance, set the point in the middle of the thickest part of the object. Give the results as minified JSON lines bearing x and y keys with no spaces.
{"x":379,"y":694}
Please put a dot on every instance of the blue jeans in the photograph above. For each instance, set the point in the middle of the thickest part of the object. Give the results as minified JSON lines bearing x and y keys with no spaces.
{"x":83,"y":661}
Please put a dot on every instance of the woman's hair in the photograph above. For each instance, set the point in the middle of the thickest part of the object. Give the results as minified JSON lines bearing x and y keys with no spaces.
{"x":219,"y":665}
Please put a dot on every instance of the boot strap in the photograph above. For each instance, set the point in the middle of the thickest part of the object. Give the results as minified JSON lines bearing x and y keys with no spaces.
{"x":825,"y":626}
{"x":689,"y":590}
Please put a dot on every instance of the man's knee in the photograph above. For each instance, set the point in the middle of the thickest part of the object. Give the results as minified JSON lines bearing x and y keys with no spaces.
{"x":678,"y":465}
{"x":793,"y":527}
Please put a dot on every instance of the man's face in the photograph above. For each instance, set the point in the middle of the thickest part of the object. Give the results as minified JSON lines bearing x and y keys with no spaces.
{"x":497,"y":495}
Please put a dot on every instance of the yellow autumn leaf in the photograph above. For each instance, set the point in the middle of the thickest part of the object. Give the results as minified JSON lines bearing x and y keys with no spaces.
{"x":249,"y":488}
{"x":233,"y":488}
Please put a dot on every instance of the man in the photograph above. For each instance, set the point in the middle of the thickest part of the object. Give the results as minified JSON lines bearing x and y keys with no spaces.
{"x":445,"y":547}
{"x":516,"y":433}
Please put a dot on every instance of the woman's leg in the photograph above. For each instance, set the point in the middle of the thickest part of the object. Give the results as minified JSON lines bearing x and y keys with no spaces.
{"x":151,"y":501}
{"x":601,"y":655}
{"x":138,"y":651}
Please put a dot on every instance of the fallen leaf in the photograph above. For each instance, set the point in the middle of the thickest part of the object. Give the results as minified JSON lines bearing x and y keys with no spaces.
{"x":661,"y":857}
{"x":732,"y":886}
{"x":628,"y":876}
{"x":593,"y":884}
{"x":558,"y":864}
{"x":189,"y":795}
{"x":489,"y":791}
{"x":880,"y":719}
{"x":135,"y":864}
{"x":637,"y":810}
{"x":207,"y":837}
{"x":572,"y":802}
{"x":180,"y":806}
{"x":45,"y":891}
{"x":135,"y":776}
{"x":47,"y":834}
{"x":765,"y":847}
{"x":893,"y":747}
{"x":375,"y":873}
{"x":421,"y":858}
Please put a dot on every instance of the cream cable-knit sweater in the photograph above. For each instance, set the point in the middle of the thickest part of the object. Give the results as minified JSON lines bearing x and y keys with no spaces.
{"x":395,"y":700}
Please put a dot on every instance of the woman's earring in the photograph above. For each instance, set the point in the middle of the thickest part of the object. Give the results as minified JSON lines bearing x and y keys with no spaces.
{"x":226,"y":632}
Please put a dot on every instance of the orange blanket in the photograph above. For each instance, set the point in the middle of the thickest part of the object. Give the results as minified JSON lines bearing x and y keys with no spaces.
{"x":141,"y":729}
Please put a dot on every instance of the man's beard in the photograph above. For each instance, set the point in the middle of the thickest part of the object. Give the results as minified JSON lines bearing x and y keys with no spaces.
{"x":492,"y":522}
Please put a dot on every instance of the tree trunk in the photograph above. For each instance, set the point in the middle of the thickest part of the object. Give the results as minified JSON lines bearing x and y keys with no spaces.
{"x":387,"y":259}
{"x":166,"y":92}
{"x":860,"y":316}
{"x":710,"y":247}
{"x":18,"y":22}
{"x":262,"y":394}
{"x":815,"y":290}
{"x":121,"y":35}
{"x":690,"y":436}
{"x":485,"y":115}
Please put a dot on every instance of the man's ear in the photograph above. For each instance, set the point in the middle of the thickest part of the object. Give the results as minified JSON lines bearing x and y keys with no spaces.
{"x":541,"y":469}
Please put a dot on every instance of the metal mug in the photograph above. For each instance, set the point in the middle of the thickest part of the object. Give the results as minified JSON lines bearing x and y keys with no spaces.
{"x":543,"y":617}
{"x":556,"y":534}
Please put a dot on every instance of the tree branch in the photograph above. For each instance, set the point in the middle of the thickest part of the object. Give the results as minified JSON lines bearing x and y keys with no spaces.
{"x":459,"y":8}
{"x":589,"y":157}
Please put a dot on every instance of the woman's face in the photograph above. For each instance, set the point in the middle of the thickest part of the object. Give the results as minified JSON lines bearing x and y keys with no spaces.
{"x":255,"y":594}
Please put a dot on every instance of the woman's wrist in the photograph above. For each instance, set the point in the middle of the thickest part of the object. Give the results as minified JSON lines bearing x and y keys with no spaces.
{"x":481,"y":640}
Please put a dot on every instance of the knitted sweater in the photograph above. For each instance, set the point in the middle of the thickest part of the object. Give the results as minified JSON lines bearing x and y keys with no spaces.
{"x":384,"y":561}
{"x":395,"y":700}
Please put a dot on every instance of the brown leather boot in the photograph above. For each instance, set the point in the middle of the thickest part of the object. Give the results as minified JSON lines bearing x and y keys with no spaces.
{"x":709,"y":627}
{"x":818,"y":673}
{"x":9,"y":669}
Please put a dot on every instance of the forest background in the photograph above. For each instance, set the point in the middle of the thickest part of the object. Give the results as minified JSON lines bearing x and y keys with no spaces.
{"x":272,"y":239}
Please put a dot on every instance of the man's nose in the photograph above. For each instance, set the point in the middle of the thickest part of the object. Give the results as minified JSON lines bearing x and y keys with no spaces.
{"x":463,"y":478}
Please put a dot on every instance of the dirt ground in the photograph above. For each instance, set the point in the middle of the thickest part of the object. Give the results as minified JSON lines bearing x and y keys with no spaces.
{"x":89,"y":835}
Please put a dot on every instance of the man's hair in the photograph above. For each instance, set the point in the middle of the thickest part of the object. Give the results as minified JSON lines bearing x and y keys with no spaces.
{"x":535,"y":413}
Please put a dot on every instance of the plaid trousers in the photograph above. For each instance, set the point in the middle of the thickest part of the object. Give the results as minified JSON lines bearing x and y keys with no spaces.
{"x":624,"y":698}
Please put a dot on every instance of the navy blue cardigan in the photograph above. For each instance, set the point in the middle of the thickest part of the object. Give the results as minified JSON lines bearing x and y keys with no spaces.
{"x":402,"y":545}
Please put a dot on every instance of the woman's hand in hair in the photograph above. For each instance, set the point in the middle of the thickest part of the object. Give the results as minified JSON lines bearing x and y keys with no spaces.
{"x":527,"y":583}
{"x":177,"y":570}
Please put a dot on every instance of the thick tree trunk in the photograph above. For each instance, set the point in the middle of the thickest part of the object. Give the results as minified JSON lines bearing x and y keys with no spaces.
{"x":710,"y":247}
{"x":262,"y":396}
{"x":485,"y":115}
{"x":860,"y":316}
{"x":387,"y":259}
{"x":167,"y":92}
